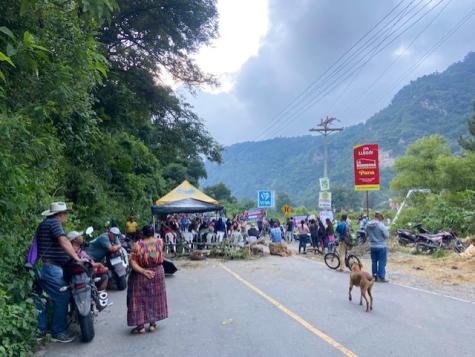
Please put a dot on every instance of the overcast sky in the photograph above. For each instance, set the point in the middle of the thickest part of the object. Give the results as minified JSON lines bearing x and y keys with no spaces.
{"x":271,"y":51}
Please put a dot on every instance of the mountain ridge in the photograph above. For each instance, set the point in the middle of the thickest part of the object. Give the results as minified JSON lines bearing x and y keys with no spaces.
{"x":437,"y":103}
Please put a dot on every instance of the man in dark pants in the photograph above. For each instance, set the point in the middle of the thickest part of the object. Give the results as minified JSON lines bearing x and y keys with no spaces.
{"x":378,"y":235}
{"x":54,"y":250}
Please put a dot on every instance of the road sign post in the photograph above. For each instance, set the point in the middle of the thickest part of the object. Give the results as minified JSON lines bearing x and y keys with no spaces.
{"x":265,"y":199}
{"x":325,"y":200}
{"x":286,"y":210}
{"x":324,"y":184}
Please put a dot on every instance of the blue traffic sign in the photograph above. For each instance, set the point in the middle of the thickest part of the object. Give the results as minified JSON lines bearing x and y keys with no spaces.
{"x":265,"y":199}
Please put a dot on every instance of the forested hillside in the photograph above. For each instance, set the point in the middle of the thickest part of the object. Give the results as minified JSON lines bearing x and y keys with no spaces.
{"x":440,"y":103}
{"x":84,"y":119}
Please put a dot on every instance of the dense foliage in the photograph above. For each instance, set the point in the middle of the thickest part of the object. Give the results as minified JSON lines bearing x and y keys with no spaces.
{"x":439,"y":103}
{"x":84,"y":118}
{"x":429,"y":164}
{"x":220,"y":192}
{"x":468,"y":143}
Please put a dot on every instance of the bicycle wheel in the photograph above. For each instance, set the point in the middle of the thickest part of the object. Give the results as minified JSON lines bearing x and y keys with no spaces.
{"x":350,"y":259}
{"x":332,"y":260}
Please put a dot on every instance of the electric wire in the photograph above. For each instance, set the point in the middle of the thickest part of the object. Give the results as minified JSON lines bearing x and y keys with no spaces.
{"x":342,"y":77}
{"x":387,"y":68}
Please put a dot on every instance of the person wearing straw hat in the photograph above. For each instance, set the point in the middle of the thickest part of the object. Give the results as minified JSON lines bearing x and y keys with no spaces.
{"x":54,"y":250}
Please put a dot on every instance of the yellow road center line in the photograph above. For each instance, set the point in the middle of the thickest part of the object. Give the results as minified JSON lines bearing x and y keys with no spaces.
{"x":293,"y":315}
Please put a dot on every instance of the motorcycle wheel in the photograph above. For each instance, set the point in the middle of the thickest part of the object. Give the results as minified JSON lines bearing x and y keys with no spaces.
{"x":332,"y":260}
{"x":121,"y":282}
{"x":459,"y":247}
{"x":404,"y":242}
{"x":423,"y":248}
{"x":86,"y":323}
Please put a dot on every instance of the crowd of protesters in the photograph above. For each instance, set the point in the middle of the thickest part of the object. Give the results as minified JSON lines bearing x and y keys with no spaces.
{"x":200,"y":229}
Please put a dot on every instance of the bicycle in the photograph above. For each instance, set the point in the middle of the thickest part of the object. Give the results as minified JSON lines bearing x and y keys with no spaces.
{"x":332,"y":260}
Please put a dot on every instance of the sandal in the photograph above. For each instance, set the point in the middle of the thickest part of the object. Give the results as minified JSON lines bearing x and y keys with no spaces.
{"x":139,"y":330}
{"x":152,"y":328}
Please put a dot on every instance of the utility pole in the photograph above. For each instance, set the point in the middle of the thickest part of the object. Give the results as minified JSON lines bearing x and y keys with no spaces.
{"x":325,"y":129}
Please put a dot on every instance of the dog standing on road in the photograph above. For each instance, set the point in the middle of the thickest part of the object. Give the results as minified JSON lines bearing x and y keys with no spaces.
{"x":364,"y":280}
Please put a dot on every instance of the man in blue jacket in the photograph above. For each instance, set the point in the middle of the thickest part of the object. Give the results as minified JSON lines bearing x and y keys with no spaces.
{"x":378,"y":235}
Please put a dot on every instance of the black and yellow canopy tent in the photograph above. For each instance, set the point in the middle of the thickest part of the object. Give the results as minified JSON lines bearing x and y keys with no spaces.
{"x":185,"y":198}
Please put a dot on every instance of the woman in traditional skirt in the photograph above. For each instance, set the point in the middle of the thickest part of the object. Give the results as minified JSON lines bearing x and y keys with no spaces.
{"x":146,"y":294}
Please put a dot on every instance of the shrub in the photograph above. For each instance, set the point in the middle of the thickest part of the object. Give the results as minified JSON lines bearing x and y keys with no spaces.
{"x":441,"y":212}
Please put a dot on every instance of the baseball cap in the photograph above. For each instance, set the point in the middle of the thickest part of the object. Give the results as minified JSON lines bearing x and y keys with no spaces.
{"x":115,"y":231}
{"x":73,"y":235}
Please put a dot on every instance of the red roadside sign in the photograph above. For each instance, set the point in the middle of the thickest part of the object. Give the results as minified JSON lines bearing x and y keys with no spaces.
{"x":366,"y":163}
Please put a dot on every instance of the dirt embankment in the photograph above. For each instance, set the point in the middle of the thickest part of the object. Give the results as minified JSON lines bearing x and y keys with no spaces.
{"x":452,"y":274}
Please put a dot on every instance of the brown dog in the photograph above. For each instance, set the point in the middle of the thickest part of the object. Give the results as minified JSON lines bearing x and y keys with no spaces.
{"x":364,"y":280}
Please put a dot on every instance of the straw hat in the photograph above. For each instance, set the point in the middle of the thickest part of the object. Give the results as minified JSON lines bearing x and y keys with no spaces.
{"x":54,"y":208}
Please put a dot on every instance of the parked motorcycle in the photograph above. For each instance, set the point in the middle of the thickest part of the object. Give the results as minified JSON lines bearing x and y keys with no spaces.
{"x":118,"y":264}
{"x":408,"y":236}
{"x":428,"y":243}
{"x":85,"y":300}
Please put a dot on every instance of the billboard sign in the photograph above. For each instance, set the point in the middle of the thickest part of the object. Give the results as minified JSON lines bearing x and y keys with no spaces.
{"x":265,"y":199}
{"x":324,"y":184}
{"x":366,"y":165}
{"x":325,"y":200}
{"x":254,"y":214}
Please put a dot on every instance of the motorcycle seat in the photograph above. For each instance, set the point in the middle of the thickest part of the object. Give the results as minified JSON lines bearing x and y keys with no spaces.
{"x":435,"y":236}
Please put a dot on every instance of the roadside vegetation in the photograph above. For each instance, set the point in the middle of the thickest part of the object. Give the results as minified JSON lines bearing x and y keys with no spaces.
{"x":85,"y":119}
{"x":430,"y":164}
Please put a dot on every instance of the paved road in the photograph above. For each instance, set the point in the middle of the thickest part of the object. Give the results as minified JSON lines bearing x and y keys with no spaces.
{"x":212,"y":313}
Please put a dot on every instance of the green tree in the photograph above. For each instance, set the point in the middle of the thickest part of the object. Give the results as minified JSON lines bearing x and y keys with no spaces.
{"x":346,"y":198}
{"x":418,"y":168}
{"x":282,"y":199}
{"x":237,"y":207}
{"x":83,"y":119}
{"x":469,"y":143}
{"x":429,"y":163}
{"x":220,"y":192}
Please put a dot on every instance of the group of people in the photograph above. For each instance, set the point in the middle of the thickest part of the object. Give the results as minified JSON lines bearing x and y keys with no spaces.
{"x":146,"y":292}
{"x":324,"y":237}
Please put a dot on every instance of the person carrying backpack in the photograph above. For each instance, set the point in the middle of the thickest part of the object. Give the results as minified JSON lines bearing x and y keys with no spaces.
{"x":54,"y":251}
{"x":343,"y":231}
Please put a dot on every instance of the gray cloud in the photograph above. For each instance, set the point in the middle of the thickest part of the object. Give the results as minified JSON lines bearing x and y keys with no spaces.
{"x":304,"y":39}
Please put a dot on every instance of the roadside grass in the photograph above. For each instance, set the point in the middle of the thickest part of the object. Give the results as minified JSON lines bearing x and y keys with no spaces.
{"x":440,"y":253}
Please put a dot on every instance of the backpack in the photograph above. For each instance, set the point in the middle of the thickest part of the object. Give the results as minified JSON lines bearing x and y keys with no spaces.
{"x":348,"y":239}
{"x":32,"y":256}
{"x":343,"y":231}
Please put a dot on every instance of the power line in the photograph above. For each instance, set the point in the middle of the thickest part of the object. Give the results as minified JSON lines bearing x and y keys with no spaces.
{"x":434,"y":48}
{"x":294,"y":102}
{"x":339,"y":67}
{"x":386,"y":70}
{"x":342,"y":77}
